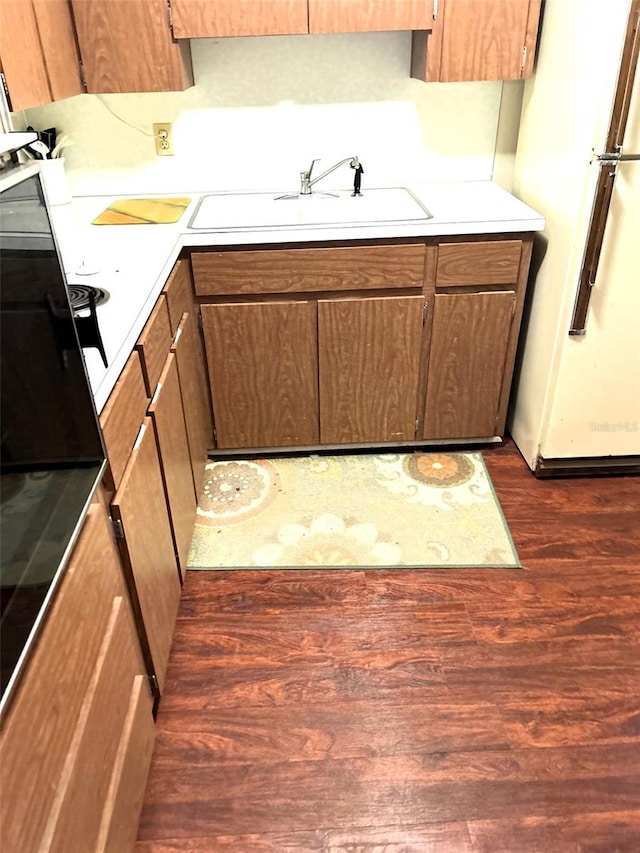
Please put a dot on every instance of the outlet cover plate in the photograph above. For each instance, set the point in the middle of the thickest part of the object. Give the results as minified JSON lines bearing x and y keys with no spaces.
{"x":163,"y":137}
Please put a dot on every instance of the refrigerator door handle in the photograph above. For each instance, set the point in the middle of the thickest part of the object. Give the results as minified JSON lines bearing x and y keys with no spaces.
{"x":595,"y":239}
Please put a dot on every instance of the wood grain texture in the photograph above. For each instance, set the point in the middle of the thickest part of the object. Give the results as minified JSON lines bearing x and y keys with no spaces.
{"x":262,"y":361}
{"x":154,"y":343}
{"x":39,"y":726}
{"x":58,"y":40}
{"x":204,"y":19}
{"x":175,"y":460}
{"x":321,"y":711}
{"x":124,"y":799}
{"x":196,"y":402}
{"x":483,"y":39}
{"x":369,"y":358}
{"x":113,"y":63}
{"x":308,"y":270}
{"x":469,"y":341}
{"x":23,"y":61}
{"x":478,"y":263}
{"x":147,"y":548}
{"x":122,"y":415}
{"x":353,"y":16}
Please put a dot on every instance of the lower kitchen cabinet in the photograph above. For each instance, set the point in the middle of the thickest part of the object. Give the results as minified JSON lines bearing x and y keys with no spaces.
{"x":140,"y":511}
{"x":262,"y":359}
{"x":77,"y":737}
{"x":369,"y":363}
{"x":370,"y":343}
{"x":469,"y":340}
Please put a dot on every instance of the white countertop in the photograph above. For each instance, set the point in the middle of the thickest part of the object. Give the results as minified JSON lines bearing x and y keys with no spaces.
{"x":133,"y":261}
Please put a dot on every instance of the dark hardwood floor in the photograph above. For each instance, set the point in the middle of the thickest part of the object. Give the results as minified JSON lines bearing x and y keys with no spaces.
{"x":450,"y":710}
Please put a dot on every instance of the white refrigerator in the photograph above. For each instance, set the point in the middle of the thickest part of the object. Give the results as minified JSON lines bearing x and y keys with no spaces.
{"x":576,"y":396}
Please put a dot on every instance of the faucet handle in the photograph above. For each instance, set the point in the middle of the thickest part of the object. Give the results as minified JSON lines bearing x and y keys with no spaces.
{"x":313,"y":162}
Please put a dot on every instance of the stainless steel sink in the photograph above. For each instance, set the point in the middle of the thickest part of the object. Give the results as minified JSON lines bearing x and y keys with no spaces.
{"x":233,"y":211}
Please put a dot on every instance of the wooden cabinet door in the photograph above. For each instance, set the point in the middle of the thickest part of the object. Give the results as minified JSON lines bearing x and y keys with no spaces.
{"x":195,"y":396}
{"x":262,"y":359}
{"x":478,"y":40}
{"x":173,"y":445}
{"x":369,"y":364}
{"x":352,"y":16}
{"x":38,"y":52}
{"x":207,"y":19}
{"x":147,"y":546}
{"x":127,"y":46}
{"x":469,"y":341}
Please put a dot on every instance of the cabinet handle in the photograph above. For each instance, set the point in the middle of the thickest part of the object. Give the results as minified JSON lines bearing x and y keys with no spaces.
{"x":436,"y":5}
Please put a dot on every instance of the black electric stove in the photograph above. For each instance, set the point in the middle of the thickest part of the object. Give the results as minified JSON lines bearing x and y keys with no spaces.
{"x":52,"y":455}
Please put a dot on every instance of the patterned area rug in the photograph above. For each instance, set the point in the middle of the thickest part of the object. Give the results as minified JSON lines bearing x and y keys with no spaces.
{"x":416,"y":510}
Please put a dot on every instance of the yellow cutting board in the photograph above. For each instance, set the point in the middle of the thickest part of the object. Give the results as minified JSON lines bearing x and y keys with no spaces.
{"x":143,"y":211}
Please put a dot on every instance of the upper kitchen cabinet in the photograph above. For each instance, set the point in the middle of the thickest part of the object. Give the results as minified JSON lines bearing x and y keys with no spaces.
{"x":38,"y":53}
{"x":350,"y":16}
{"x":128,"y":47}
{"x":477,"y":40}
{"x":218,"y":18}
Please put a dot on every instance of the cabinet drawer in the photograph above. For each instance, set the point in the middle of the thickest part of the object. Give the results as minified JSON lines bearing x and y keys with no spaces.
{"x":153,"y":344}
{"x":179,"y":294}
{"x":123,"y":414}
{"x":309,"y":270}
{"x":122,"y":808}
{"x":471,"y":264}
{"x":94,"y":749}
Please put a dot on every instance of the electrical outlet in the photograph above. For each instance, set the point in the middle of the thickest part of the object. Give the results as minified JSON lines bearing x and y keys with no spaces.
{"x":163,"y":137}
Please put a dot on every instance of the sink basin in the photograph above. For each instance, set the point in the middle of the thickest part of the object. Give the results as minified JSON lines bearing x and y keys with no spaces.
{"x":225,"y":211}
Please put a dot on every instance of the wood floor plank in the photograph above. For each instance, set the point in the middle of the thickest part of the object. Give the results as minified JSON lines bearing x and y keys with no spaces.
{"x":192,"y":685}
{"x":316,"y":732}
{"x":614,"y":617}
{"x":362,"y":792}
{"x":434,"y":838}
{"x":598,"y":833}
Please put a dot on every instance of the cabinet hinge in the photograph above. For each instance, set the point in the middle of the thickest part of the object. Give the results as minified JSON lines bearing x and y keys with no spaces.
{"x":200,"y":324}
{"x":118,"y":529}
{"x":417,"y":424}
{"x":6,"y":88}
{"x":425,"y":311}
{"x":524,"y":59}
{"x":153,"y":683}
{"x":513,"y":306}
{"x":215,"y":433}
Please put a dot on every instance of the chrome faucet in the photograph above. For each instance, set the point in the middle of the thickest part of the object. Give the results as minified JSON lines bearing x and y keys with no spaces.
{"x":305,"y":177}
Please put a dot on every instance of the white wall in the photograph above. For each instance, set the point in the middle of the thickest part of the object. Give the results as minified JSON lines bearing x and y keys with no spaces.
{"x":262,"y":108}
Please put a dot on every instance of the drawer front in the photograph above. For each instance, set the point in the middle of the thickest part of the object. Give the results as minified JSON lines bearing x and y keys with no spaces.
{"x":308,"y":270}
{"x":126,"y":793}
{"x":41,"y":722}
{"x":482,"y":263}
{"x":153,"y":344}
{"x":77,"y":812}
{"x":123,"y":414}
{"x":179,"y":294}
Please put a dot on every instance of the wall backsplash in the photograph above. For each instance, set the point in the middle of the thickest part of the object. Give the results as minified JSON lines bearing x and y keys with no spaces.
{"x":262,"y":108}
